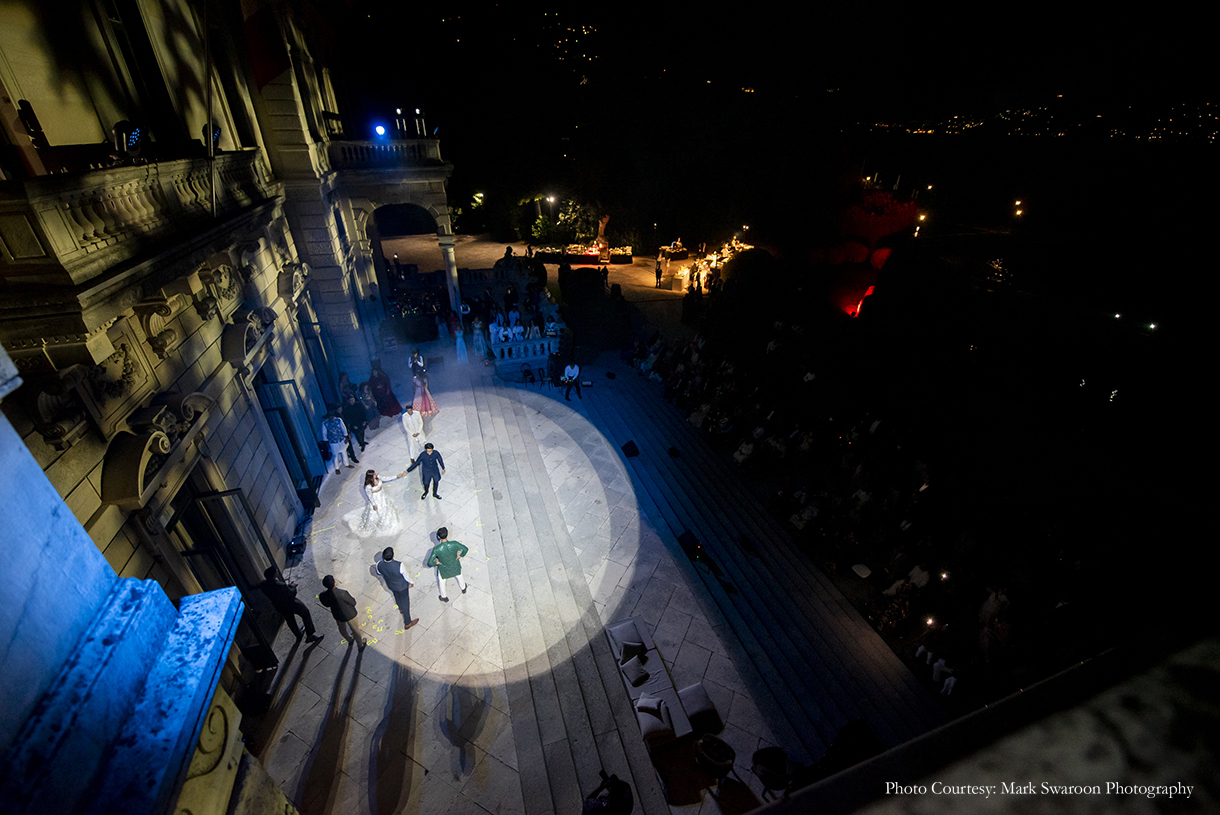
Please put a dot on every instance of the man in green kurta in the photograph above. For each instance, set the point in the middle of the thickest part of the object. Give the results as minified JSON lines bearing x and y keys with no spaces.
{"x":447,"y":558}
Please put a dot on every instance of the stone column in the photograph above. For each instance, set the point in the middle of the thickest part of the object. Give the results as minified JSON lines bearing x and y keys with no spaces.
{"x":444,"y":236}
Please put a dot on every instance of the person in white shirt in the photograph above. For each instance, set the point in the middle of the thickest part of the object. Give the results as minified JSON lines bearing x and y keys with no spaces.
{"x":413,"y":426}
{"x":571,"y":377}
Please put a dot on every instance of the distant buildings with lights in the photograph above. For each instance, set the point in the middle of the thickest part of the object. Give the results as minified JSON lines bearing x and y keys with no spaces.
{"x":1197,"y":122}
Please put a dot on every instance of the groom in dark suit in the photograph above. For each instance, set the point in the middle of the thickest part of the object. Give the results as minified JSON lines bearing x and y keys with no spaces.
{"x":431,"y":468}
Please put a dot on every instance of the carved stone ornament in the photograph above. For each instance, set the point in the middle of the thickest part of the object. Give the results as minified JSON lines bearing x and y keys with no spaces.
{"x":210,"y":777}
{"x":244,"y":254}
{"x":225,"y":286}
{"x":35,"y":355}
{"x":246,"y":337}
{"x":135,"y":463}
{"x":57,"y":408}
{"x":292,"y":280}
{"x":206,"y":306}
{"x":155,"y":316}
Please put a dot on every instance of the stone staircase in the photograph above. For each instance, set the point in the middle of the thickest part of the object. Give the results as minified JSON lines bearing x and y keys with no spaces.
{"x":810,"y":661}
{"x":819,"y":658}
{"x":570,"y":715}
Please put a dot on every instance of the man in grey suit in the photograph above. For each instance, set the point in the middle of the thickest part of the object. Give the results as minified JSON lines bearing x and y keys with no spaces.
{"x":396,"y":579}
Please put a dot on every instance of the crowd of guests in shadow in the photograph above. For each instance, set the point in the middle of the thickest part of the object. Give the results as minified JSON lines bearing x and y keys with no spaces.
{"x":519,"y":307}
{"x":861,"y":500}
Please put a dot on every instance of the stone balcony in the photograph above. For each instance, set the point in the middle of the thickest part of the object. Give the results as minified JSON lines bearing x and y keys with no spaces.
{"x":68,"y":229}
{"x":380,"y":155}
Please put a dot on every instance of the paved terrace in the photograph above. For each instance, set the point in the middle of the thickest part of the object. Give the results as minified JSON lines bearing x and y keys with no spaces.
{"x":507,"y":699}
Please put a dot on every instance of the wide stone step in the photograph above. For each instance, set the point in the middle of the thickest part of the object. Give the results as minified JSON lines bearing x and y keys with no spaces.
{"x":618,"y":751}
{"x":710,"y":500}
{"x":564,"y":723}
{"x":789,"y":705}
{"x":865,"y":656}
{"x":707,"y":503}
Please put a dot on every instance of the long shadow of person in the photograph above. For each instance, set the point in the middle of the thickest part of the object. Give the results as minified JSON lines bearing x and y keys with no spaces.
{"x":461,"y":721}
{"x":263,"y":732}
{"x":389,"y":765}
{"x":319,"y":786}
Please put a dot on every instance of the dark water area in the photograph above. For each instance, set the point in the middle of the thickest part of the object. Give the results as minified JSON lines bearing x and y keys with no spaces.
{"x":1107,"y":226}
{"x":1054,"y":426}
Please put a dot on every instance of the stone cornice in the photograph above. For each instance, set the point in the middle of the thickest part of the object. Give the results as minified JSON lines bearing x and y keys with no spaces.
{"x":38,"y":311}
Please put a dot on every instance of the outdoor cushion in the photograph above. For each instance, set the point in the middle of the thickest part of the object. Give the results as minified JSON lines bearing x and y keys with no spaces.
{"x":656,"y":728}
{"x":700,"y":709}
{"x":621,"y":633}
{"x":649,"y":704}
{"x":632,"y":650}
{"x":634,"y":671}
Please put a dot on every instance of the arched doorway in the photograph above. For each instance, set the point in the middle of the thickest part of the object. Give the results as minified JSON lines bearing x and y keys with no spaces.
{"x":411,"y":275}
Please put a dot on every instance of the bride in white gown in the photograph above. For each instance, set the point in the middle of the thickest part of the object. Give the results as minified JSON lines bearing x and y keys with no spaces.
{"x":379,"y":516}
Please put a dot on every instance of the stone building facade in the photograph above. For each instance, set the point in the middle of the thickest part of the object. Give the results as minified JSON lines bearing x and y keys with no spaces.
{"x":185,"y":267}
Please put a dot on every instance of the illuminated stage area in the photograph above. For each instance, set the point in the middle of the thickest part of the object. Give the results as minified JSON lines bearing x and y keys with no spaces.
{"x":507,"y":677}
{"x":507,"y":697}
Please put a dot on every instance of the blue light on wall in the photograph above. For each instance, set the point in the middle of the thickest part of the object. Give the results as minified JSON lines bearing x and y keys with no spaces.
{"x":379,"y":130}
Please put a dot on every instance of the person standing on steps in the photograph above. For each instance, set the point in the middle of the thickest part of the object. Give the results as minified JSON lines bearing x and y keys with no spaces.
{"x":431,"y":468}
{"x":399,"y":584}
{"x":343,"y":608}
{"x":571,"y":376}
{"x":413,"y":427}
{"x":447,"y":558}
{"x":334,"y":433}
{"x":284,"y":597}
{"x":356,"y":421}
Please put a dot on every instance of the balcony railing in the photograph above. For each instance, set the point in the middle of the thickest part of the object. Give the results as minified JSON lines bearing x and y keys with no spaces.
{"x":375,"y":155}
{"x":67,"y":228}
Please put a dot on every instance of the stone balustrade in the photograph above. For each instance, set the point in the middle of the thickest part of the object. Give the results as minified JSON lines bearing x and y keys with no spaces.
{"x":511,"y":355}
{"x":360,"y":155}
{"x":69,"y":228}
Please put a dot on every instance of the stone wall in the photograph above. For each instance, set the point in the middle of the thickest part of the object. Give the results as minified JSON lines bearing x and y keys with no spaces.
{"x":242,"y":450}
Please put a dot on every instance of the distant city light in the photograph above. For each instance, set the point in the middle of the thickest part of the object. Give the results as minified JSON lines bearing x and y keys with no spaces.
{"x":1152,"y":325}
{"x":1116,"y":316}
{"x":1018,"y":202}
{"x":1018,"y":212}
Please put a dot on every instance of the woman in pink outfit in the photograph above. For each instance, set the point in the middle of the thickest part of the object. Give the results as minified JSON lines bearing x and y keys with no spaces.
{"x":423,"y":403}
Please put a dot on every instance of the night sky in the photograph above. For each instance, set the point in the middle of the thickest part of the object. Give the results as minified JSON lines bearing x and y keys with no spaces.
{"x":907,"y":62}
{"x":644,"y":109}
